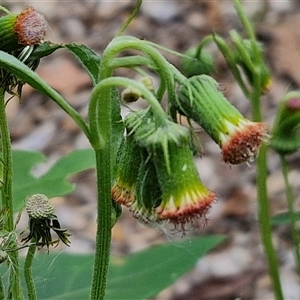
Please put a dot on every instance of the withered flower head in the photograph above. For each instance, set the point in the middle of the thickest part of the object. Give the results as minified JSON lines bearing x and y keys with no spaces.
{"x":41,"y":220}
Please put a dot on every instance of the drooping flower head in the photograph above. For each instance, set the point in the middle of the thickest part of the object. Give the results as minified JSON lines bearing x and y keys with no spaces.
{"x":183,"y":196}
{"x":238,"y":137}
{"x":136,"y":184}
{"x":241,"y":141}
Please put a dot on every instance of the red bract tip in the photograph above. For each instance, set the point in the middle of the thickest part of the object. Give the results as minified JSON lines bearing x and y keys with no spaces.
{"x":123,"y":194}
{"x":30,"y":27}
{"x":293,"y":104}
{"x":192,"y":205}
{"x":242,"y":145}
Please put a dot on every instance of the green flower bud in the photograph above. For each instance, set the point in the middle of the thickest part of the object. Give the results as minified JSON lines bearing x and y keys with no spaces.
{"x":196,"y":65}
{"x":239,"y":138}
{"x":286,"y":130}
{"x":147,"y":81}
{"x":128,"y":163}
{"x":38,"y":206}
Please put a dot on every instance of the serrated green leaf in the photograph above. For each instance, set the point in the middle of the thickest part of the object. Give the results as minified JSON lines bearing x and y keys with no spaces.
{"x":138,"y":276}
{"x":55,"y":182}
{"x":89,"y":60}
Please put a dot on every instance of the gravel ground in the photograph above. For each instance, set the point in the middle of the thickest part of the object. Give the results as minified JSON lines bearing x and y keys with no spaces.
{"x":237,"y":269}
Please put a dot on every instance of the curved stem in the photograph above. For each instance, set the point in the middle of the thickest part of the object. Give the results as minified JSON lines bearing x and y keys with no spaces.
{"x":7,"y":199}
{"x":158,"y":61}
{"x":227,"y":53}
{"x":290,"y":200}
{"x":137,"y":60}
{"x":249,"y":29}
{"x":130,"y":62}
{"x":130,"y":18}
{"x":28,"y":272}
{"x":159,"y":113}
{"x":203,"y":42}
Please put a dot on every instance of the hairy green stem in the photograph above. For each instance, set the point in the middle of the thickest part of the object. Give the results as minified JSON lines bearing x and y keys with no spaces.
{"x":293,"y":219}
{"x":103,"y":169}
{"x":103,"y":238}
{"x":7,"y":200}
{"x":100,"y":118}
{"x":264,"y":222}
{"x":264,"y":217}
{"x":28,"y":272}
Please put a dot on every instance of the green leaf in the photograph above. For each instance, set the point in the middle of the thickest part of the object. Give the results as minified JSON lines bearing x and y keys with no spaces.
{"x":89,"y":60}
{"x":139,"y":276}
{"x":54,"y":182}
{"x":284,"y":218}
{"x":43,"y":50}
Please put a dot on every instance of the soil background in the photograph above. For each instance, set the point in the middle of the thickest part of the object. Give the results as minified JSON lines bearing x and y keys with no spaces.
{"x":237,"y":269}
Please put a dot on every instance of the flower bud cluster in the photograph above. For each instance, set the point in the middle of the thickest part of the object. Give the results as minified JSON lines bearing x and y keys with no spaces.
{"x":157,"y":178}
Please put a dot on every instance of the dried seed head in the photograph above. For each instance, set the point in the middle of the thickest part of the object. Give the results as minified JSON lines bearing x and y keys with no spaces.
{"x":30,"y":27}
{"x":38,"y":206}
